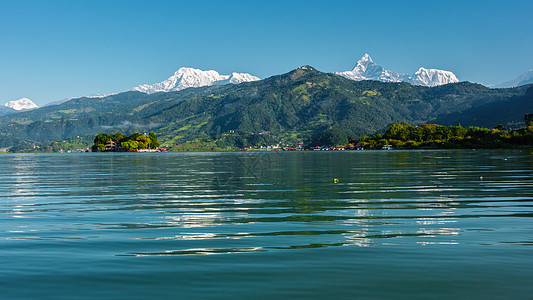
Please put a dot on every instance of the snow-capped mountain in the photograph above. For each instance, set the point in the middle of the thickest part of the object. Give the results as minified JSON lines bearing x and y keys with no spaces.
{"x":236,"y":78}
{"x":182,"y":79}
{"x":432,"y":77}
{"x":367,"y":69}
{"x":189,"y":77}
{"x":21,"y":104}
{"x":523,"y":79}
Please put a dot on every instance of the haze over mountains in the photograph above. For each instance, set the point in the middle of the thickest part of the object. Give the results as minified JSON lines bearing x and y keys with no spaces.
{"x":523,"y":79}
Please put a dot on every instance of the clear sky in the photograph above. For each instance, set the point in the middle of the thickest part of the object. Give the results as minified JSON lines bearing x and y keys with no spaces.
{"x":51,"y":50}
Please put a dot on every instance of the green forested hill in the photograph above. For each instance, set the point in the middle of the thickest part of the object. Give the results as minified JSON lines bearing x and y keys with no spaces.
{"x":506,"y":111}
{"x":290,"y":107}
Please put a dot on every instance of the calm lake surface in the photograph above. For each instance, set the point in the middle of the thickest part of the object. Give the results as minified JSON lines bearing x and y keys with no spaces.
{"x":398,"y":224}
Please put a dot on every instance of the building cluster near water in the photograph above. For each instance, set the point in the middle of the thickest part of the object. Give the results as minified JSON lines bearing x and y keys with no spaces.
{"x":300,"y":147}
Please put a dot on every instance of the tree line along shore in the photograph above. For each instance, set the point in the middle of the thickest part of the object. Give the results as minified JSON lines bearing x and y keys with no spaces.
{"x":397,"y":136}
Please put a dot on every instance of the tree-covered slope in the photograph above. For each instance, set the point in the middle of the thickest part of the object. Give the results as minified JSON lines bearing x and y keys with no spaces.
{"x":290,"y":107}
{"x":305,"y":102}
{"x":508,"y":112}
{"x":82,"y":116}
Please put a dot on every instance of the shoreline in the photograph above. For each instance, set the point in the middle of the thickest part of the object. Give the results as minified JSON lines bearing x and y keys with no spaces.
{"x":523,"y":147}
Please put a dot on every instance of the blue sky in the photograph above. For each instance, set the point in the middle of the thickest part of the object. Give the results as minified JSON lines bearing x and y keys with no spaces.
{"x":50,"y":50}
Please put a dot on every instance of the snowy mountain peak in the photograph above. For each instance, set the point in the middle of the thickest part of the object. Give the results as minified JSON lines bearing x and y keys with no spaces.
{"x":366,"y":57}
{"x":184,"y":70}
{"x":21,"y":104}
{"x":367,"y":69}
{"x":433,"y":77}
{"x":236,"y":78}
{"x":186,"y":77}
{"x":364,"y":63}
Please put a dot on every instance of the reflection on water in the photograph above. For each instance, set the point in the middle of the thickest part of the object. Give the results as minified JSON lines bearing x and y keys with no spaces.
{"x":379,"y":196}
{"x":99,"y":206}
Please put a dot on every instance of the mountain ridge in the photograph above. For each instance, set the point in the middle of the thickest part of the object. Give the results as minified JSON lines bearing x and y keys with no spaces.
{"x":287,"y":108}
{"x":365,"y":69}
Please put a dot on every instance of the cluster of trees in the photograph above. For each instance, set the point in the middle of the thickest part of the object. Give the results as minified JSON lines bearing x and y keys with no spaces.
{"x":404,"y":135}
{"x":329,"y":137}
{"x":246,"y":140}
{"x":122,"y":142}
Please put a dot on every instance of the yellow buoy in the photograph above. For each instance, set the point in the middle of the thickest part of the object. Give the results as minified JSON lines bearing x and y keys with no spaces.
{"x":480,"y":177}
{"x":335,"y":180}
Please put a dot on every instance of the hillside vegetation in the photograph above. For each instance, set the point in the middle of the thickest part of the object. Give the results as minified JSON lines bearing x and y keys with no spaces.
{"x":406,"y":136}
{"x":288,"y":108}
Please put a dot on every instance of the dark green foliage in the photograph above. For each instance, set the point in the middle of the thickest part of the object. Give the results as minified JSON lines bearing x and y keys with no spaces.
{"x":103,"y":138}
{"x":507,"y":109}
{"x":291,"y":108}
{"x":119,"y":137}
{"x":529,"y":119}
{"x":129,"y":145}
{"x":404,"y":135}
{"x":231,"y":141}
{"x":330,"y":137}
{"x":122,"y":142}
{"x":154,"y":143}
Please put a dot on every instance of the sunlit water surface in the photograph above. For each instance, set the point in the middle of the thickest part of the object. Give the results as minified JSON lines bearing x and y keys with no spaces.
{"x":397,"y":224}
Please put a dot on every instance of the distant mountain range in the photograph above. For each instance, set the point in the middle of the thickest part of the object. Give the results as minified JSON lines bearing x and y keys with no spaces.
{"x":185,"y":77}
{"x":287,"y":108}
{"x":182,"y":79}
{"x":367,"y":69}
{"x":190,"y":78}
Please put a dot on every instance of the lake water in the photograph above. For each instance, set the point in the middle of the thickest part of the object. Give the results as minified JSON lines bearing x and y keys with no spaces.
{"x":397,"y":224}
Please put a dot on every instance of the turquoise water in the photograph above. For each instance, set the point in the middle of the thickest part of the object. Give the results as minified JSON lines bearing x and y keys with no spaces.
{"x":398,"y":224}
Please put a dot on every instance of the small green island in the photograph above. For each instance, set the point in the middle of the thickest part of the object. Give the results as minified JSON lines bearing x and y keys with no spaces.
{"x":119,"y":142}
